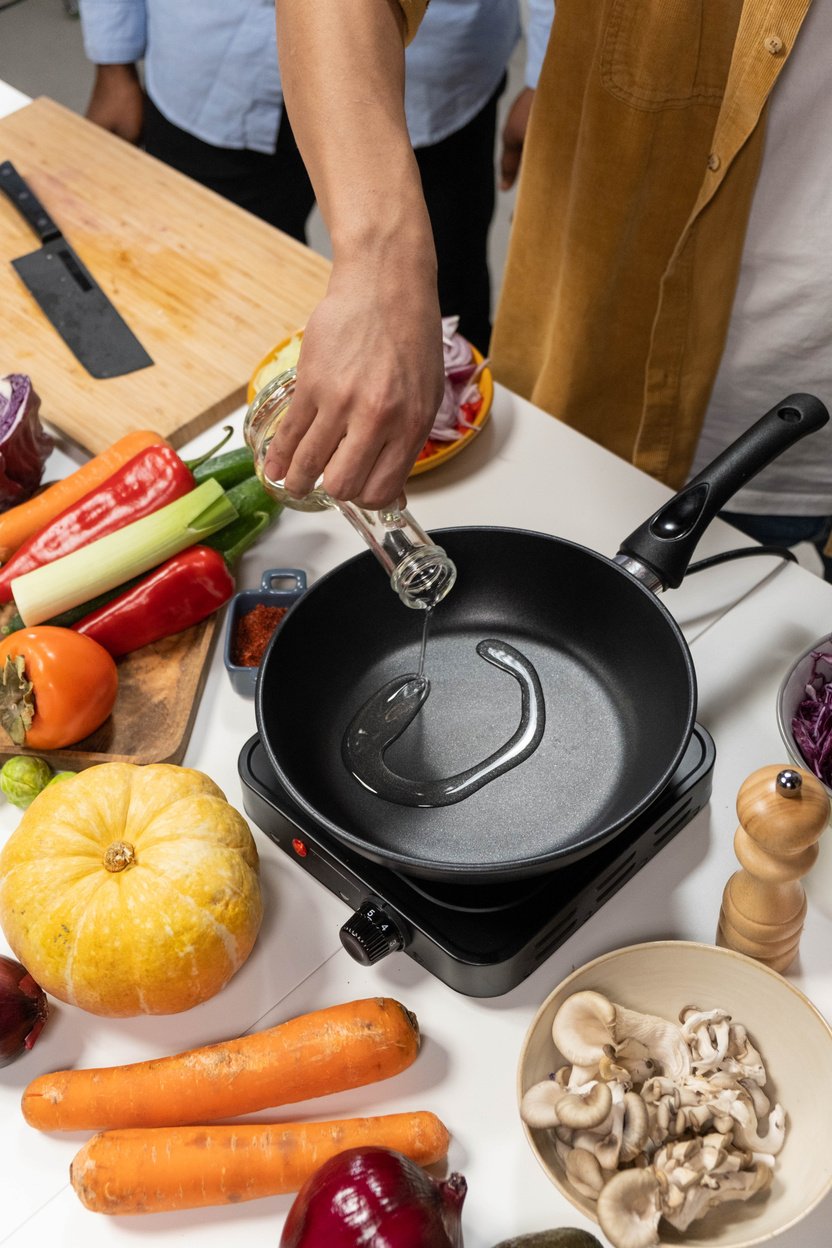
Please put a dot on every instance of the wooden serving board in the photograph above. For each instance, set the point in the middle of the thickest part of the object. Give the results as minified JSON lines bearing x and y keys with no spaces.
{"x":206,"y":287}
{"x":158,"y":693}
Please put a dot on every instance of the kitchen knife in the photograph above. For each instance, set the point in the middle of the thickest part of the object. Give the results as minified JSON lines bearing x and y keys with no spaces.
{"x":68,"y":294}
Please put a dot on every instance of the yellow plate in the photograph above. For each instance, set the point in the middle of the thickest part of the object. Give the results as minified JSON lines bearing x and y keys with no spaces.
{"x":285,"y":355}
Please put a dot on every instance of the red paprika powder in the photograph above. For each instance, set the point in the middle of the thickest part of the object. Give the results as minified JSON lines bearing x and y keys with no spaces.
{"x":253,"y":633}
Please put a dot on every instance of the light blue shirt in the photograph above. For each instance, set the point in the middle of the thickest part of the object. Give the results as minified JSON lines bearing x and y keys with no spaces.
{"x":211,"y":65}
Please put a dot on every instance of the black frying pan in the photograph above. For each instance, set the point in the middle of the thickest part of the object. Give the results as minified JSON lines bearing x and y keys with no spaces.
{"x":616,"y":673}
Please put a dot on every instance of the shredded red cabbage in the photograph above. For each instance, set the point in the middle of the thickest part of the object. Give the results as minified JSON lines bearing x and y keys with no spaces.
{"x":25,"y":445}
{"x":812,"y":722}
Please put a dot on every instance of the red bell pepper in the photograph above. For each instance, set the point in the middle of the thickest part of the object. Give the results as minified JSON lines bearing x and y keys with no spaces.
{"x":148,"y":481}
{"x":180,"y":592}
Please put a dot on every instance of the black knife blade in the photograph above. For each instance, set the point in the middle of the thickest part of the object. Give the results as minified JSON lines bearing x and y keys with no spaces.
{"x":68,"y":294}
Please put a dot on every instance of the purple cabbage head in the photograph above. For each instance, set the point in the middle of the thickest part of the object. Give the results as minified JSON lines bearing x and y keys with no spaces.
{"x":25,"y":445}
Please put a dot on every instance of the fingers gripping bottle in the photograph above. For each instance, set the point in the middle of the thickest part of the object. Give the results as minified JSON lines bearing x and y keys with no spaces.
{"x":420,"y":572}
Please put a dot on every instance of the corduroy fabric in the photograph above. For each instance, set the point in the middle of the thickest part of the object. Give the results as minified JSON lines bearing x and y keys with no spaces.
{"x":413,"y":11}
{"x":637,"y":178}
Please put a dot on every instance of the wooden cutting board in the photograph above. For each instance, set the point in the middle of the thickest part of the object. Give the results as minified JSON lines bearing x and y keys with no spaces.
{"x":159,"y":688}
{"x":206,"y":287}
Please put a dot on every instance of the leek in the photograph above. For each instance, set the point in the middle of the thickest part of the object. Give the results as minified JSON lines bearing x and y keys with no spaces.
{"x":108,"y":562}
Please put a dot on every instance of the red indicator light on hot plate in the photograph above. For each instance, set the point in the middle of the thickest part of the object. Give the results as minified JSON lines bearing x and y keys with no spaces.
{"x":299,"y":847}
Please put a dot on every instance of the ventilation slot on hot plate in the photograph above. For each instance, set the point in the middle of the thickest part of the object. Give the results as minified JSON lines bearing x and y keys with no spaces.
{"x":556,"y":936}
{"x":612,"y":881}
{"x":672,"y":824}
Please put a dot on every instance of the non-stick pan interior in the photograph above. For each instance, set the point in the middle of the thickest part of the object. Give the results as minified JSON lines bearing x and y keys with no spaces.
{"x":616,"y":677}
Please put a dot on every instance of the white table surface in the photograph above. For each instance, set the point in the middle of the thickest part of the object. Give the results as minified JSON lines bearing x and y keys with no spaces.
{"x":744,"y":622}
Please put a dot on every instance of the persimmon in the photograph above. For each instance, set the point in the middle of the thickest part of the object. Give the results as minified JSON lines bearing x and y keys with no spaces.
{"x":56,"y":686}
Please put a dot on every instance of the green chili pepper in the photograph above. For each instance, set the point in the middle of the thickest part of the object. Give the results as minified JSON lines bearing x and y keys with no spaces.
{"x":229,"y":469}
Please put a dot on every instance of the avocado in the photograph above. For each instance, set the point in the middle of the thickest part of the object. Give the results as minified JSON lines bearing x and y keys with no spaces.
{"x":560,"y":1237}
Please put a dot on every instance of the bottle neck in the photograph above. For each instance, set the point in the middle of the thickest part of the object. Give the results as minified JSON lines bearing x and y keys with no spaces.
{"x":420,"y":572}
{"x":423,"y":578}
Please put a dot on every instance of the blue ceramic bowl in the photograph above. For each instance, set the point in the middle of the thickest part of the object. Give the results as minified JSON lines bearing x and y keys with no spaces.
{"x":279,"y":587}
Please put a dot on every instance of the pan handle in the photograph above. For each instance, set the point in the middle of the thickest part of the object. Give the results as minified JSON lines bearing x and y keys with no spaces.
{"x":659,"y":551}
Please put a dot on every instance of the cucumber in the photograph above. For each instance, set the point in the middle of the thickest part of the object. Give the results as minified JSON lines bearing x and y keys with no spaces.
{"x":229,"y":469}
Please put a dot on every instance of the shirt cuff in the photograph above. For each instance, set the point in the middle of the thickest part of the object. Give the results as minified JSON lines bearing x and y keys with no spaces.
{"x":541,"y":14}
{"x":114,"y":31}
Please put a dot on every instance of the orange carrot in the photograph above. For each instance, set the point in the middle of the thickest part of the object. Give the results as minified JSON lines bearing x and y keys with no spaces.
{"x":20,"y":522}
{"x":345,"y":1046}
{"x":156,"y":1169}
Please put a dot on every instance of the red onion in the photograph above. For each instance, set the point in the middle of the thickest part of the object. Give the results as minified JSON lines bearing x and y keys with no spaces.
{"x":23,"y":1010}
{"x":25,"y":445}
{"x":461,"y":377}
{"x":375,"y":1198}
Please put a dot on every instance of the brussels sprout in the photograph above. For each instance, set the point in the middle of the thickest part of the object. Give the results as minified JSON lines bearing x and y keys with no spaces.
{"x":23,"y":777}
{"x":61,"y":775}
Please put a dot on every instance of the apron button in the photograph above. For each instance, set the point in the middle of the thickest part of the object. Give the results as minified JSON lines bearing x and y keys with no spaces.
{"x":713,"y":161}
{"x":773,"y":44}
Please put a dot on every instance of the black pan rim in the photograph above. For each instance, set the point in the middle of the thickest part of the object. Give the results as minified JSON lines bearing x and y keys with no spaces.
{"x":510,"y":868}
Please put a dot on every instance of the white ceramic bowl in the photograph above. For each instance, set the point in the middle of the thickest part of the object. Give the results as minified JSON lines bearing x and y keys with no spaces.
{"x":795,"y":1042}
{"x":790,"y":695}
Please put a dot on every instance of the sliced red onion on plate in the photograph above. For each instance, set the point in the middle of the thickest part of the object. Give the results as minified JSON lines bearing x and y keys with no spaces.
{"x":462,"y":372}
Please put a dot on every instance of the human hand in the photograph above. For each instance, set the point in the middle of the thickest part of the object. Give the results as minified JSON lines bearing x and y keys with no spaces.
{"x":514,"y":136}
{"x":370,"y":381}
{"x":117,"y":101}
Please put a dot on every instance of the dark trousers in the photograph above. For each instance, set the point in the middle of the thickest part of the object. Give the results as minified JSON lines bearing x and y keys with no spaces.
{"x":786,"y":531}
{"x":457,"y":179}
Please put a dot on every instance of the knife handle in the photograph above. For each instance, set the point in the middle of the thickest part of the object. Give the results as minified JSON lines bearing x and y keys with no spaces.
{"x":27,"y":203}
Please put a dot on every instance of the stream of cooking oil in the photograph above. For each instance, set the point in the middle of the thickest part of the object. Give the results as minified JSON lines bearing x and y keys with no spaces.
{"x":390,"y":710}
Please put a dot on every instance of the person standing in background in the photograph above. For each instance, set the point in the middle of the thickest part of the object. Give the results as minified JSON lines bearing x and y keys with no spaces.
{"x":212,"y":107}
{"x":780,"y":330}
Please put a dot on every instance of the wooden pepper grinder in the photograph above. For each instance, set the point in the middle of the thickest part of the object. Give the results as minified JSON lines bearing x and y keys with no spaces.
{"x":782,"y":812}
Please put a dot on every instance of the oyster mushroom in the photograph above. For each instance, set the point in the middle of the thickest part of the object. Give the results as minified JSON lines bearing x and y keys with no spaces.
{"x":636,"y":1127}
{"x":612,"y":1071}
{"x":761,"y":1103}
{"x":659,"y":1088}
{"x":708,"y":1034}
{"x":629,"y":1209}
{"x":635,"y":1059}
{"x":584,"y":1172}
{"x":588,"y":1021}
{"x":537,"y":1107}
{"x":697,"y":1117}
{"x":608,"y":1148}
{"x":698,"y":1200}
{"x":583,"y":1027}
{"x":579,"y":1076}
{"x":639,"y":1068}
{"x":746,"y":1128}
{"x":742,"y":1059}
{"x":580,"y":1111}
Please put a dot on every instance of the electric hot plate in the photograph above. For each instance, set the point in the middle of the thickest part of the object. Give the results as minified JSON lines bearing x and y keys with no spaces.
{"x":481,"y":940}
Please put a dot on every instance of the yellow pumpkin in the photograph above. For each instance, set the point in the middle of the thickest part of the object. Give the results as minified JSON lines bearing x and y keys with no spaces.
{"x":131,"y":889}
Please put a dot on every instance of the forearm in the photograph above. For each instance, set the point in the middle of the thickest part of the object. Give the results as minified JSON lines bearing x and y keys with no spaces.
{"x":363,"y":422}
{"x":115,"y":34}
{"x":342,"y":69}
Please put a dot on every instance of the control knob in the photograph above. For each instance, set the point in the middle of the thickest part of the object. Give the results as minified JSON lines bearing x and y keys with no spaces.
{"x":370,"y":934}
